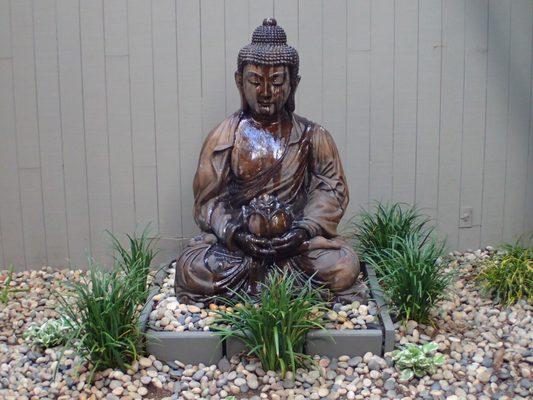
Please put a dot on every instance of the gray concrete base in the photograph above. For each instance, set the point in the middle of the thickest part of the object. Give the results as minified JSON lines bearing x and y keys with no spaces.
{"x":235,"y":346}
{"x":189,"y":347}
{"x":335,"y":343}
{"x":387,"y":326}
{"x":193,"y":347}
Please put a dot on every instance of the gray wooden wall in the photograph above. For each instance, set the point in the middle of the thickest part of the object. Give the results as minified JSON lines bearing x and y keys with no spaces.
{"x":104,"y":106}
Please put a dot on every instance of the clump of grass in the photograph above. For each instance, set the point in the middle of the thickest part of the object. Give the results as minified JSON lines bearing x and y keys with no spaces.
{"x":103,"y":315}
{"x":375,"y":230}
{"x":135,"y":260}
{"x":274,"y":327}
{"x":412,"y":275}
{"x":508,"y":275}
{"x":6,"y":288}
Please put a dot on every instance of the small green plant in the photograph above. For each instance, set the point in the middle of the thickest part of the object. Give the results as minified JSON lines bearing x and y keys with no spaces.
{"x":375,"y":230}
{"x":412,"y":275}
{"x":7,"y":289}
{"x":508,"y":276}
{"x":274,"y":327}
{"x":417,"y":360}
{"x":53,"y":332}
{"x":135,"y":261}
{"x":103,"y":315}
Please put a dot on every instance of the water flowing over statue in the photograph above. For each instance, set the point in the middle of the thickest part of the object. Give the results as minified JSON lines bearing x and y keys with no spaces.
{"x":269,"y":189}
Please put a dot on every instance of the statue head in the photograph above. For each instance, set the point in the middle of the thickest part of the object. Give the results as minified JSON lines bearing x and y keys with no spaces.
{"x":267,"y":72}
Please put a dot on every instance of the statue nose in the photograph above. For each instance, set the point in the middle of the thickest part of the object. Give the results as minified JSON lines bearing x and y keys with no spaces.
{"x":266,"y":90}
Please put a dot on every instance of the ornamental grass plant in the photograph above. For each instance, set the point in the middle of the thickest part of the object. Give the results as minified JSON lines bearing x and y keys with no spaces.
{"x":135,"y":260}
{"x":376,"y":230}
{"x":508,"y":275}
{"x":6,"y":287}
{"x":412,"y":275}
{"x":274,"y":326}
{"x":103,"y":313}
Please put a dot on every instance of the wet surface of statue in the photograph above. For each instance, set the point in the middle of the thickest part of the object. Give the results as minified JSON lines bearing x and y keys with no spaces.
{"x":269,"y":189}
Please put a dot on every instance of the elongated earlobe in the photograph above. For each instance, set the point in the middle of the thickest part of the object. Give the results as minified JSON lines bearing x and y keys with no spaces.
{"x":238,"y":80}
{"x":239,"y":83}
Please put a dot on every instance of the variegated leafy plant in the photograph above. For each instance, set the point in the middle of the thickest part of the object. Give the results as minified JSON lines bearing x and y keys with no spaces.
{"x":417,"y":360}
{"x":51,"y":333}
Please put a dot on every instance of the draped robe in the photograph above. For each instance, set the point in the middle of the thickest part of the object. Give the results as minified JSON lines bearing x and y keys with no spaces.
{"x":308,"y":177}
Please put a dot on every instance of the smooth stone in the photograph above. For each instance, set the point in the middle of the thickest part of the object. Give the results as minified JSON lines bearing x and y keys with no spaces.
{"x":373,"y":364}
{"x":143,"y":391}
{"x":224,"y":365}
{"x":390,"y":384}
{"x":312,"y":376}
{"x":288,"y":384}
{"x":525,"y":383}
{"x":355,"y":361}
{"x":175,"y":373}
{"x":145,"y":380}
{"x":239,"y":381}
{"x":484,"y":374}
{"x":252,"y":383}
{"x":232,"y":375}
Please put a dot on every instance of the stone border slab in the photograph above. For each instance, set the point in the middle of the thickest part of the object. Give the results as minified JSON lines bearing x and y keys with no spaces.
{"x":189,"y":347}
{"x":336,"y":343}
{"x":386,"y":322}
{"x":193,"y":347}
{"x":155,"y":289}
{"x":234,"y":346}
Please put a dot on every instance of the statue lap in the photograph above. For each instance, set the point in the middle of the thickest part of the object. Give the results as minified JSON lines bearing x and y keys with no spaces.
{"x":208,"y":268}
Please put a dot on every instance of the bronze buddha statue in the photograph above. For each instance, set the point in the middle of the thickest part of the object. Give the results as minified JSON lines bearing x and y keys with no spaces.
{"x":269,"y":188}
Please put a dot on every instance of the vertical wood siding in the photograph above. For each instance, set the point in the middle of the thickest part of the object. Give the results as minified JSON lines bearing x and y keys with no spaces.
{"x":104,"y":106}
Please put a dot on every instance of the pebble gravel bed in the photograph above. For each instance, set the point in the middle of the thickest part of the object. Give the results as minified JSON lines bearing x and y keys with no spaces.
{"x":169,"y":315}
{"x":488,"y":352}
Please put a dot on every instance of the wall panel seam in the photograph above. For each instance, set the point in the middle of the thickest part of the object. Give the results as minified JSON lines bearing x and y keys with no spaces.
{"x":507,"y":121}
{"x":107,"y":123}
{"x":15,"y":131}
{"x":37,"y":127}
{"x":89,"y":236}
{"x":61,"y":132}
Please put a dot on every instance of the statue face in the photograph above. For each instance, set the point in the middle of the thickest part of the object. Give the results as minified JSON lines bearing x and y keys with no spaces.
{"x":265,"y":89}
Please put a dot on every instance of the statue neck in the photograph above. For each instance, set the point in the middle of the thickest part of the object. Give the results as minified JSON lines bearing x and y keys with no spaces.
{"x":269,"y":122}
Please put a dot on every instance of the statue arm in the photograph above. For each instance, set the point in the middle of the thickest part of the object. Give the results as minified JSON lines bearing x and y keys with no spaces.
{"x":328,"y":192}
{"x":210,"y":188}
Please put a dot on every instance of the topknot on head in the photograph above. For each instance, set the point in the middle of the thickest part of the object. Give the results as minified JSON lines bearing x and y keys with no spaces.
{"x":269,"y":33}
{"x":270,"y":21}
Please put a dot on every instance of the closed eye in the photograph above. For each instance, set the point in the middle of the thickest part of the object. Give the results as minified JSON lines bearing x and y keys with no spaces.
{"x":278,"y":79}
